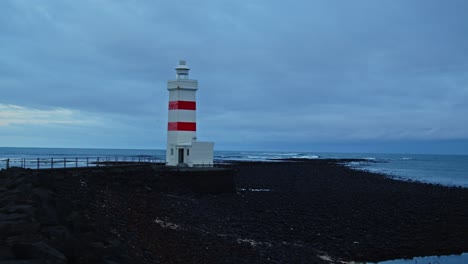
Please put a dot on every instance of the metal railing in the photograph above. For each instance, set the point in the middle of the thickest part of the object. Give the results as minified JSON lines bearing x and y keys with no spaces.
{"x":75,"y":162}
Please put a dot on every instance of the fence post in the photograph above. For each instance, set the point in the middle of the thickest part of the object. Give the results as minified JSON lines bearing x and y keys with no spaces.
{"x":8,"y":163}
{"x":37,"y":163}
{"x":87,"y":162}
{"x":51,"y":163}
{"x":97,"y":161}
{"x":76,"y":162}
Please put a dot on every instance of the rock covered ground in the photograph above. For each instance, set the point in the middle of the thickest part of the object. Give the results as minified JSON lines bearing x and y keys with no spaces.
{"x":316,"y":211}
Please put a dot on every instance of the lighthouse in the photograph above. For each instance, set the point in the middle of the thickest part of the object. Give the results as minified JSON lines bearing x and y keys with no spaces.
{"x":183,"y":149}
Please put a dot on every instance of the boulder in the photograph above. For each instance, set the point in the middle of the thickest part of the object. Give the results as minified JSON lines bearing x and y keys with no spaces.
{"x":12,"y":227}
{"x":39,"y":250}
{"x":23,"y":261}
{"x":22,"y":208}
{"x":6,"y":253}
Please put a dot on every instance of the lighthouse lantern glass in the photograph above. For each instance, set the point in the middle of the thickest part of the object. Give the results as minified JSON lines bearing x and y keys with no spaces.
{"x":181,"y":76}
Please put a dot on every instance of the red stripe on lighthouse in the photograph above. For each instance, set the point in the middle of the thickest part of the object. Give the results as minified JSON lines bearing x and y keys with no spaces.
{"x":182,"y":105}
{"x":181,"y":126}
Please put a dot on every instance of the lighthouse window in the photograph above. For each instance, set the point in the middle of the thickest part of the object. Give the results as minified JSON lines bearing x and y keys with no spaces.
{"x":172,"y":152}
{"x":188,"y":152}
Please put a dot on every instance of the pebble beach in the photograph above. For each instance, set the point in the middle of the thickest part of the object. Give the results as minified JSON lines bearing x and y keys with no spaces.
{"x":302,"y":211}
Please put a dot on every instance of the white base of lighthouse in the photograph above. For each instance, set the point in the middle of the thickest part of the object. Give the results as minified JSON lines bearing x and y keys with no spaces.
{"x":193,"y":154}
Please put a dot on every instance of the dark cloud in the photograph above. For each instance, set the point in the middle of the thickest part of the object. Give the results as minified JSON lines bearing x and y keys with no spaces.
{"x":301,"y":71}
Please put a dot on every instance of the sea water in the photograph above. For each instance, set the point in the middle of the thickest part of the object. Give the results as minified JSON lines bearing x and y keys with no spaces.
{"x":451,"y":259}
{"x":451,"y":170}
{"x":33,"y":153}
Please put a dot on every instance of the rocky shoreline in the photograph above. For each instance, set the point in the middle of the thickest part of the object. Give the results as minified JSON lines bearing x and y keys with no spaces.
{"x":315,"y":211}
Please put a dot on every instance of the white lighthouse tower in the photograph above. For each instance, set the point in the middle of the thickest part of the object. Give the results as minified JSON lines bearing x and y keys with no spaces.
{"x":183,"y":149}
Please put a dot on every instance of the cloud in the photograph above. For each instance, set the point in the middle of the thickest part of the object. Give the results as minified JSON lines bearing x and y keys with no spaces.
{"x":23,"y":126}
{"x":302,"y":71}
{"x":15,"y":115}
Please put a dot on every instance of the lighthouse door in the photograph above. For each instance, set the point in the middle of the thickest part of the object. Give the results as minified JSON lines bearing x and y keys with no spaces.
{"x":181,"y":155}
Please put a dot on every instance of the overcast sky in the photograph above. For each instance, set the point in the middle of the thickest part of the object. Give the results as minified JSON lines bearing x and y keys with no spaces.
{"x":352,"y":76}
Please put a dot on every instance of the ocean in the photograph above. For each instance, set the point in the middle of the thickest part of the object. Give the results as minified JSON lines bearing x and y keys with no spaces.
{"x":450,"y":170}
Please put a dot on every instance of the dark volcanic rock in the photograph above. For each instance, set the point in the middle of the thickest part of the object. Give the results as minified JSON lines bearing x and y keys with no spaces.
{"x":38,"y":250}
{"x":315,"y":211}
{"x":31,"y":228}
{"x":6,"y":253}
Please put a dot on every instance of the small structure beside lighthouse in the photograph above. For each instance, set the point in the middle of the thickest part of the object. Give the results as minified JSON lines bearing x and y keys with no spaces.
{"x":183,"y":149}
